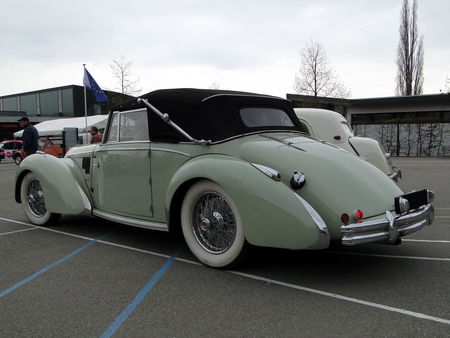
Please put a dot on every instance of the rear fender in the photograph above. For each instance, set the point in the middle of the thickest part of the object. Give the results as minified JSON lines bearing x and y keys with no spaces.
{"x":62,"y":193}
{"x":272,"y":214}
{"x":370,"y":150}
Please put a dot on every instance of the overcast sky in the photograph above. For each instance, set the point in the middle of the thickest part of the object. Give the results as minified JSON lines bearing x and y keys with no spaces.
{"x":250,"y":45}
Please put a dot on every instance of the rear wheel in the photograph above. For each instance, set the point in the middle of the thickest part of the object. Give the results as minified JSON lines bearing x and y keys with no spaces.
{"x":212,"y":226}
{"x":33,"y":202}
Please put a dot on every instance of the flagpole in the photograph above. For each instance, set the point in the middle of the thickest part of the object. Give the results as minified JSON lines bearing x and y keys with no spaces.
{"x":85,"y":100}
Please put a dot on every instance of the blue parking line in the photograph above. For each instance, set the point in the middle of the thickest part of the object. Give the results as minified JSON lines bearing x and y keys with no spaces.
{"x":51,"y":266}
{"x":140,"y":296}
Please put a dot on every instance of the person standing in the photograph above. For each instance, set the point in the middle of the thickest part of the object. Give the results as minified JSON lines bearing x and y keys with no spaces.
{"x":95,"y":136}
{"x":30,"y":136}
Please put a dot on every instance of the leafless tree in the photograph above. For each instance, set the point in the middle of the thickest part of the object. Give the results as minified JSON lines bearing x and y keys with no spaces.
{"x":122,"y":72}
{"x":447,"y":85}
{"x":409,"y":139}
{"x":409,"y":53}
{"x":432,"y":137}
{"x":441,"y":138}
{"x":214,"y":85}
{"x":420,"y":139}
{"x":315,"y":76}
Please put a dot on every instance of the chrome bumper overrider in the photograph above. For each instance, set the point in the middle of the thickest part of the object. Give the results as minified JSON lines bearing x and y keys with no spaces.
{"x":389,"y":229}
{"x":396,"y":174}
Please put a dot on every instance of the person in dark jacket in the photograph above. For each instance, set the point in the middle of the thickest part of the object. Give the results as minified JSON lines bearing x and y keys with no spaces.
{"x":30,"y":136}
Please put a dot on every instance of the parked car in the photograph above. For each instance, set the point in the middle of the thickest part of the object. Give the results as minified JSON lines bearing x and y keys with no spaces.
{"x":47,"y":144}
{"x":332,"y":127}
{"x":226,"y":169}
{"x":7,"y":148}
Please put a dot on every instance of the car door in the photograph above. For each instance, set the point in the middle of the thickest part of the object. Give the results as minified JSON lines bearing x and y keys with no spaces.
{"x":121,"y":176}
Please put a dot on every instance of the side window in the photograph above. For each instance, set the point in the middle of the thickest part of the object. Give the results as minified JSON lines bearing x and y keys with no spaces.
{"x":134,"y":126}
{"x":113,"y":129}
{"x":265,"y":117}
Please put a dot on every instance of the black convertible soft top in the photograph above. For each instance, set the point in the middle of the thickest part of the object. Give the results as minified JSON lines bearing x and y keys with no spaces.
{"x":206,"y":113}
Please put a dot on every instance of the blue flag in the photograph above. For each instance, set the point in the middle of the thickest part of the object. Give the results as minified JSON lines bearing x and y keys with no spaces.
{"x":90,"y":84}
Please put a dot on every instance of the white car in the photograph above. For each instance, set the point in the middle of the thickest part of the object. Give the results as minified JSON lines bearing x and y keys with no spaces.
{"x":333,"y":128}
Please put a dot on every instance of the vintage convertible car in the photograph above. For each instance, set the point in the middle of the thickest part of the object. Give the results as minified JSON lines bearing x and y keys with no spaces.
{"x":227,"y":169}
{"x":332,"y":127}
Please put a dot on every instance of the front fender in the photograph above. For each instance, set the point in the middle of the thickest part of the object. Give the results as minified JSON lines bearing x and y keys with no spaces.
{"x":271,"y":212}
{"x":62,"y":192}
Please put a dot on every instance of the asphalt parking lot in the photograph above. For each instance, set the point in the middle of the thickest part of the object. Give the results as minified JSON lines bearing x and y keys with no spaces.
{"x":87,"y":277}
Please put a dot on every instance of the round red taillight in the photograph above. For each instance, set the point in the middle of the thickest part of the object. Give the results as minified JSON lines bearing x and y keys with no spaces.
{"x":359,"y":214}
{"x":337,"y":137}
{"x":345,"y":218}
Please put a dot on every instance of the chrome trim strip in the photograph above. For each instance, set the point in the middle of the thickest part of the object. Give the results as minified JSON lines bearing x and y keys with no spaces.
{"x":290,"y":144}
{"x":130,"y":221}
{"x":171,"y":151}
{"x":259,"y":132}
{"x":269,"y":172}
{"x":103,"y":148}
{"x":388,"y":229}
{"x":324,"y":240}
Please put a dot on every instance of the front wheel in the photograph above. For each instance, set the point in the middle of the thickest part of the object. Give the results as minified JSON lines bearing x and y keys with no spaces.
{"x":33,"y":202}
{"x":212,"y":226}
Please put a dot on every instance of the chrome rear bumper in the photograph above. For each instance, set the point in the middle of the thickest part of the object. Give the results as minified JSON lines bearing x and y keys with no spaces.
{"x":388,"y":229}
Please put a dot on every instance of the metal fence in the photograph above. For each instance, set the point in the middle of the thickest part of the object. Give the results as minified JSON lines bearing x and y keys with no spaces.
{"x":409,"y":139}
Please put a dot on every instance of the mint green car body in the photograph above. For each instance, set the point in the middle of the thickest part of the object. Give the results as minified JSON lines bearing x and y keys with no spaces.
{"x":143,"y":183}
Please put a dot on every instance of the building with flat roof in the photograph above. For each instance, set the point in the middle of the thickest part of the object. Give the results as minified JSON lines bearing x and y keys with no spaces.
{"x":52,"y":103}
{"x":405,"y":125}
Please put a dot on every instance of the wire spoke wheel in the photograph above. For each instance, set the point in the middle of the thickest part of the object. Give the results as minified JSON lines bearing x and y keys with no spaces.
{"x":213,"y":222}
{"x":35,"y":199}
{"x":33,"y":202}
{"x":212,"y":225}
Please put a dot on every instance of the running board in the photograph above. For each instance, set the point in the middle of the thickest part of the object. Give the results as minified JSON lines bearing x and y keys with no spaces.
{"x":130,"y":221}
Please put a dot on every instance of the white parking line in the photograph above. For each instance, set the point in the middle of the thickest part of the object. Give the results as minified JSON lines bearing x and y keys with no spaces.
{"x":165,"y":256}
{"x":267,"y":280}
{"x":99,"y":241}
{"x":341,"y":297}
{"x":13,"y":232}
{"x":425,"y":240}
{"x":422,"y":258}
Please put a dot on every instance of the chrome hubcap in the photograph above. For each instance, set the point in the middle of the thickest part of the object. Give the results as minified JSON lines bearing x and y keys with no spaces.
{"x":213,"y":223}
{"x":205,"y":223}
{"x":35,"y":199}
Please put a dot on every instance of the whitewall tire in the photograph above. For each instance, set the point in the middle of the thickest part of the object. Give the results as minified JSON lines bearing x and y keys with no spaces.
{"x":212,"y":226}
{"x":33,"y":202}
